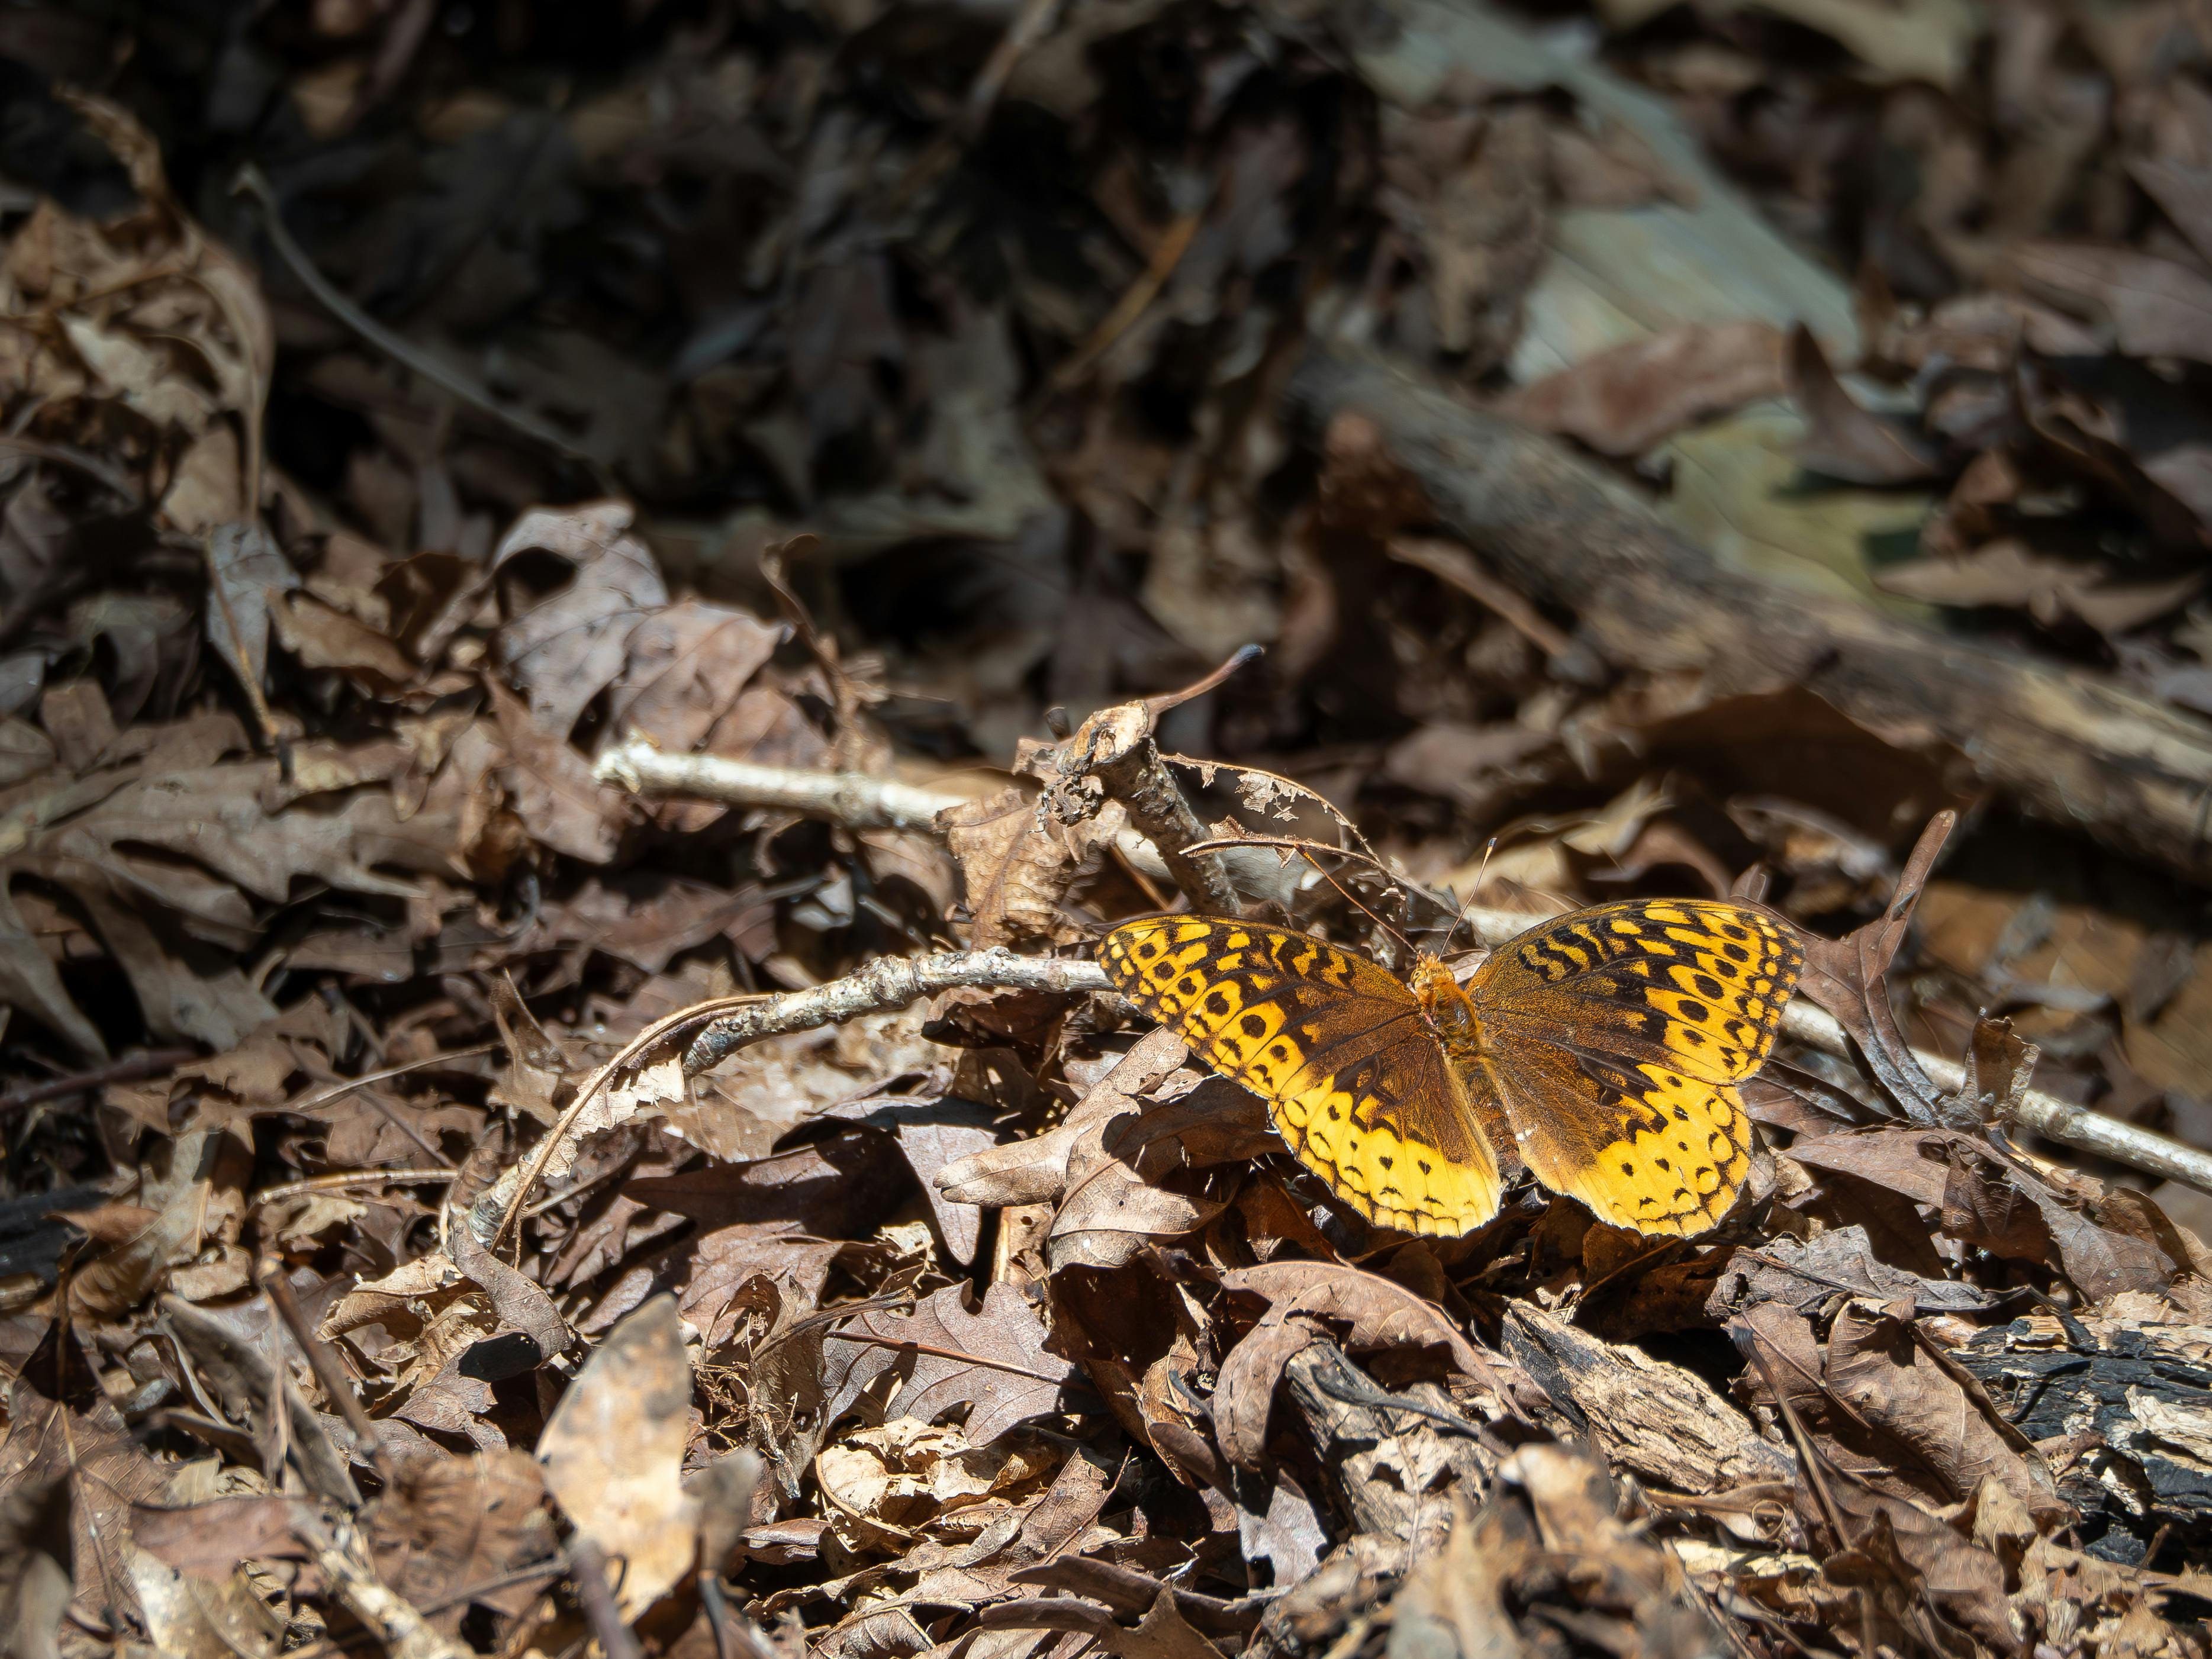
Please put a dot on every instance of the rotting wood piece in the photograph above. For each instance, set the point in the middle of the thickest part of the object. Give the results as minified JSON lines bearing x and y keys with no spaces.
{"x":2136,"y":1416}
{"x":2066,"y":746}
{"x":1389,"y":1469}
{"x":1664,"y":1425}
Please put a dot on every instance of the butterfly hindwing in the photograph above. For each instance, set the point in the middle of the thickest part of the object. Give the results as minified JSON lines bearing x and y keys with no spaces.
{"x":1354,"y":1078}
{"x":1642,"y":1147}
{"x":1612,"y":1038}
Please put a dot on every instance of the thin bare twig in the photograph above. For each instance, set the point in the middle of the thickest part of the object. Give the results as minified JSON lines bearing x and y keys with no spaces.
{"x":345,"y":1086}
{"x":250,"y":181}
{"x":131,"y":1068}
{"x":1167,"y":254}
{"x":1455,"y":567}
{"x":587,"y":1565}
{"x":93,"y":466}
{"x":1030,"y":26}
{"x":325,"y":1364}
{"x":339,"y":1180}
{"x":886,"y":983}
{"x":343,"y":1554}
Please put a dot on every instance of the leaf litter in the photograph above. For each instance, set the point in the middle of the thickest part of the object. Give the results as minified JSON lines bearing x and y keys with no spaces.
{"x":393,"y":1253}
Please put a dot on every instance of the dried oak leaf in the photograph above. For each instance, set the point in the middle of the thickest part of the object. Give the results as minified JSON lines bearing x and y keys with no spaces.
{"x":567,"y":647}
{"x":2006,"y":572}
{"x":2154,"y":308}
{"x":905,"y":1478}
{"x":323,"y":637}
{"x":1845,"y":977}
{"x":1995,"y":1204}
{"x":448,"y":1525}
{"x":210,"y":1540}
{"x":1899,"y":1380}
{"x":1624,"y":400}
{"x":68,"y":1480}
{"x":1118,"y":1202}
{"x":561,"y":803}
{"x":942,"y":1355}
{"x":1452,"y":1606}
{"x":1039,"y":1169}
{"x":104,"y":839}
{"x":1381,"y":1313}
{"x":684,"y":670}
{"x":247,"y":571}
{"x":1843,"y":440}
{"x":932,"y":1132}
{"x":613,"y":1453}
{"x":1015,"y":865}
{"x":1468,"y":188}
{"x":1162,"y":1633}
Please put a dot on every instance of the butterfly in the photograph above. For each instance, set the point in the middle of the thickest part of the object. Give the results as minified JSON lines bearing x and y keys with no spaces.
{"x":1603,"y":1047}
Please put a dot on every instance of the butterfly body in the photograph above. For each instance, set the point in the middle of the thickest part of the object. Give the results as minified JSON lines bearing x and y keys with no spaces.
{"x":1602,"y":1048}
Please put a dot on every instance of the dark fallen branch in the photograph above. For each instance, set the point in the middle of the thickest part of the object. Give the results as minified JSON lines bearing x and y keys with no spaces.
{"x":2064,"y":745}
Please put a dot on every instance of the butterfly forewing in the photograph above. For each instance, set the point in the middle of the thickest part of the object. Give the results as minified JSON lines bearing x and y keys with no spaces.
{"x":1353,"y":1075}
{"x":1613,"y":1037}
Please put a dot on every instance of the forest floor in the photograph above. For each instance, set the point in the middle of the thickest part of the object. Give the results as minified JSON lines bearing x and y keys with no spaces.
{"x":602,"y":604}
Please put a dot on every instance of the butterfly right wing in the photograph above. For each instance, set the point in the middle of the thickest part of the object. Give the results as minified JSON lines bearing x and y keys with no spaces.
{"x":1354,"y":1077}
{"x":1614,"y":1037}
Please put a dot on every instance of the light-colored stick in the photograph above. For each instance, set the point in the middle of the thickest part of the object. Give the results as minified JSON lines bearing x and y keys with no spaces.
{"x":864,"y":802}
{"x":340,"y":1551}
{"x":887,"y":982}
{"x":857,"y":800}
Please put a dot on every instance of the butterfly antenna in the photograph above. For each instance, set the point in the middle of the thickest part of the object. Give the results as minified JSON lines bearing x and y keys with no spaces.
{"x":1412,"y":949}
{"x":1459,"y":909}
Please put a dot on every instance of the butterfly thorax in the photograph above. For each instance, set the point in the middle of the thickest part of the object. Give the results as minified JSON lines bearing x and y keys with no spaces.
{"x":1449,"y":1008}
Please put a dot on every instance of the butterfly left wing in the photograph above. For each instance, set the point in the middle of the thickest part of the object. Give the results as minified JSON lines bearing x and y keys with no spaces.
{"x":1354,"y":1077}
{"x":1612,"y":1038}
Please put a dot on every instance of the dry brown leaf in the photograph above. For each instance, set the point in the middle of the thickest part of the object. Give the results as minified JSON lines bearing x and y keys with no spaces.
{"x":942,"y":1355}
{"x":1039,"y":1169}
{"x":1452,"y":1605}
{"x":449,"y":1526}
{"x":321,"y":636}
{"x":1015,"y":864}
{"x":1381,"y":1313}
{"x":566,"y":648}
{"x":249,"y":573}
{"x":1842,"y":440}
{"x":613,"y":1453}
{"x":2006,"y":572}
{"x":685,"y":669}
{"x":1845,"y":977}
{"x":1624,"y":400}
{"x":1897,"y":1383}
{"x":560,"y":801}
{"x":2154,"y":308}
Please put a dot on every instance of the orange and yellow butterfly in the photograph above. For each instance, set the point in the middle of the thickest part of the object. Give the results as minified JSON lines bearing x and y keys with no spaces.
{"x":1603,"y":1047}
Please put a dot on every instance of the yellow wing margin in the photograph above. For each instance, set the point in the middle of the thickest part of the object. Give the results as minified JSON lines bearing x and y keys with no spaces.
{"x":1354,"y":1078}
{"x":1644,"y":1146}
